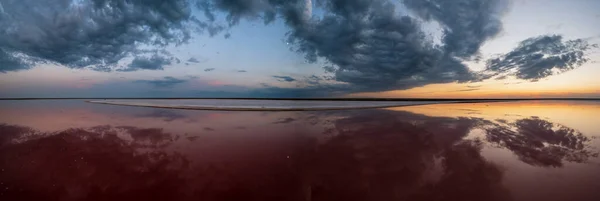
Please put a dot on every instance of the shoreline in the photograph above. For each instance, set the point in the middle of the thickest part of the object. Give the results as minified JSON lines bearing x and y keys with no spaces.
{"x":279,"y":108}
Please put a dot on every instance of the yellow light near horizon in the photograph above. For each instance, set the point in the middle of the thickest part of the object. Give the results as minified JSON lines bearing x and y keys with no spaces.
{"x":583,"y":82}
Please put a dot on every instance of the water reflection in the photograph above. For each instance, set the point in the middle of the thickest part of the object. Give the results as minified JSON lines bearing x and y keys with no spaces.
{"x":165,"y":115}
{"x":160,"y":154}
{"x":94,"y":164}
{"x":381,"y":155}
{"x":542,"y":143}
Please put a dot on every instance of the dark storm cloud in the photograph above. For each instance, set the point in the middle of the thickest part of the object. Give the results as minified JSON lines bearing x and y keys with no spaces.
{"x":165,"y":82}
{"x":284,"y":78}
{"x":374,"y":48}
{"x":540,"y":57}
{"x":369,"y":45}
{"x":251,"y":9}
{"x":313,"y":80}
{"x":209,"y":69}
{"x":156,"y":62}
{"x":96,"y":33}
{"x":466,"y":24}
{"x":9,"y":62}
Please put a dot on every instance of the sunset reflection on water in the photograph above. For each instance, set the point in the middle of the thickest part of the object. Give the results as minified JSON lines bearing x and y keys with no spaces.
{"x":71,"y":150}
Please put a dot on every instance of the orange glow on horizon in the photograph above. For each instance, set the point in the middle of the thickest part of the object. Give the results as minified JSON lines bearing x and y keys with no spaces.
{"x":492,"y":89}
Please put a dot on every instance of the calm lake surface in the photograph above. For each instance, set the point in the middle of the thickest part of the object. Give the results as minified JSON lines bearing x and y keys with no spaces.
{"x":523,"y":150}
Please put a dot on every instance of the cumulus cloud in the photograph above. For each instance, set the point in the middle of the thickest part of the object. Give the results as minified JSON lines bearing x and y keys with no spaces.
{"x":467,"y":24}
{"x":156,"y":62}
{"x":164,"y":82}
{"x":9,"y":62}
{"x":284,"y":78}
{"x":371,"y":46}
{"x":96,"y":33}
{"x":539,"y":57}
{"x":367,"y":45}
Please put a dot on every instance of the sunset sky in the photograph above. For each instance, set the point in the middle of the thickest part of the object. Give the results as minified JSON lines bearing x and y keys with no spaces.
{"x":300,"y":48}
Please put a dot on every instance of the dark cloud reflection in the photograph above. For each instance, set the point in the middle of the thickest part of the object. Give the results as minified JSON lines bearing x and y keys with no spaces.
{"x":539,"y":142}
{"x":284,"y":121}
{"x":364,"y":155}
{"x":84,"y":164}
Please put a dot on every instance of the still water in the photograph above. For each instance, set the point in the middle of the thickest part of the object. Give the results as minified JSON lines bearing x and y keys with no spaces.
{"x":73,"y":150}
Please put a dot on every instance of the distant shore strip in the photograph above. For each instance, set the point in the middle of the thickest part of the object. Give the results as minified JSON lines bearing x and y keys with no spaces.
{"x":278,"y":108}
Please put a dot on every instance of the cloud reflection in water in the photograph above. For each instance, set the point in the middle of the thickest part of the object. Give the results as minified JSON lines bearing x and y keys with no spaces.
{"x":365,"y":155}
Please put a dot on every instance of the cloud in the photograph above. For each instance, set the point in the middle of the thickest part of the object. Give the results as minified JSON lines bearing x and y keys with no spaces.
{"x":462,"y":90}
{"x":325,"y":90}
{"x":284,"y":78}
{"x":539,"y":57}
{"x":209,"y":69}
{"x":367,"y":45}
{"x":96,"y":33}
{"x":156,"y":62}
{"x":165,"y":82}
{"x":372,"y":47}
{"x":8,"y":62}
{"x":197,"y":60}
{"x":242,"y":71}
{"x":193,"y":60}
{"x":313,"y":80}
{"x":466,"y":24}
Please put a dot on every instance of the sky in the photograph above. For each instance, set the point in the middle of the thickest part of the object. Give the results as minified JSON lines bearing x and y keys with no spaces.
{"x":300,"y":48}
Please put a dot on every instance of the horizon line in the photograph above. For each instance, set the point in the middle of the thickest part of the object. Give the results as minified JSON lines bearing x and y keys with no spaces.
{"x":318,"y":99}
